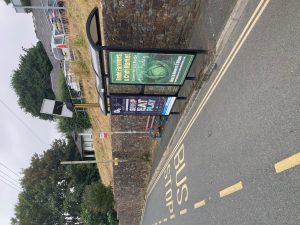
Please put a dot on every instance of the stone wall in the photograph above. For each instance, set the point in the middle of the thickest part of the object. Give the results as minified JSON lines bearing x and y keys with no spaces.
{"x":149,"y":23}
{"x":131,"y":177}
{"x":141,"y":23}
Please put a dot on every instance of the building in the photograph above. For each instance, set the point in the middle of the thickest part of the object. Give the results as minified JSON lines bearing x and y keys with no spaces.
{"x":84,"y":143}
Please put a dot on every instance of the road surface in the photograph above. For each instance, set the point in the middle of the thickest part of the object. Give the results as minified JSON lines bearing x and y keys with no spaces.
{"x":236,"y":158}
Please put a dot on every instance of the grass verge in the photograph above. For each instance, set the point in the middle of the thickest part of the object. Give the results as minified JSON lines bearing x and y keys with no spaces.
{"x":77,"y":12}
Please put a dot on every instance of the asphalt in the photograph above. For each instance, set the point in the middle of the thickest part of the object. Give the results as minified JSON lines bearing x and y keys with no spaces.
{"x":205,"y":33}
{"x":250,"y":122}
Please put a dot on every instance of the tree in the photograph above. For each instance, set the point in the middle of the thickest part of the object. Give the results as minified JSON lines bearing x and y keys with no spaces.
{"x":53,"y":193}
{"x":98,"y":198}
{"x":31,"y":81}
{"x":7,"y":2}
{"x":44,"y":186}
{"x":80,"y":120}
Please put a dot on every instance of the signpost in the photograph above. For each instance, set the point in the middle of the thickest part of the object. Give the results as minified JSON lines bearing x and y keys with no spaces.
{"x":103,"y":135}
{"x":115,"y":161}
{"x":57,"y":108}
{"x":149,"y":68}
{"x":141,"y":105}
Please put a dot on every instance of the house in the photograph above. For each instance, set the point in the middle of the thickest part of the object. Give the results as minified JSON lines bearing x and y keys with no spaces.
{"x":84,"y":143}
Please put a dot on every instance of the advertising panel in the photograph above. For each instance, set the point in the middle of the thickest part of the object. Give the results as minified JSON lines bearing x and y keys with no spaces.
{"x":141,"y":105}
{"x":149,"y":68}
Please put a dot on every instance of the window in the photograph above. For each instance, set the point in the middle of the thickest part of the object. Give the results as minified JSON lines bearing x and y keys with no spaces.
{"x":58,"y":41}
{"x":88,"y":144}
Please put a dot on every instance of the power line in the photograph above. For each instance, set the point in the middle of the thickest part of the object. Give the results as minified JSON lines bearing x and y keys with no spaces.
{"x":10,"y":185}
{"x":20,"y":120}
{"x":9,"y":182}
{"x":10,"y":170}
{"x":16,"y":181}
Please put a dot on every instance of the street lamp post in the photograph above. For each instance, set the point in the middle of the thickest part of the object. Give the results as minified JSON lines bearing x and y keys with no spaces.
{"x":38,"y":7}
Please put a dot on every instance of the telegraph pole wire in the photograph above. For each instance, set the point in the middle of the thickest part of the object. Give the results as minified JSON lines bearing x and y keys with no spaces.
{"x":21,"y":121}
{"x":18,"y":175}
{"x":11,"y":183}
{"x":12,"y":179}
{"x":17,"y":189}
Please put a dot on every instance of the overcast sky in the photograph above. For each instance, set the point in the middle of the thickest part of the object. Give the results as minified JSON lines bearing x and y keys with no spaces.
{"x":17,"y":143}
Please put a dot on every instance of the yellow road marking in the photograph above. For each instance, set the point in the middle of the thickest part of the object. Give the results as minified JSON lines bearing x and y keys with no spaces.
{"x":199,"y":204}
{"x":182,"y":212}
{"x":165,"y":219}
{"x":245,"y":33}
{"x":172,"y":216}
{"x":234,"y":188}
{"x":288,"y":163}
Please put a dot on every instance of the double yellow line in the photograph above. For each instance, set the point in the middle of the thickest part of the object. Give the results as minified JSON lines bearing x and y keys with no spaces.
{"x":242,"y":38}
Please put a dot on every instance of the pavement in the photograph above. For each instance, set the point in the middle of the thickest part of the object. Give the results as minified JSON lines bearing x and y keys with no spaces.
{"x":235,"y":158}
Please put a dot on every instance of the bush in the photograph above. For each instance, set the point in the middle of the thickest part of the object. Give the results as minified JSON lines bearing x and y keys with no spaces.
{"x":97,"y":198}
{"x":80,"y":120}
{"x":78,"y":123}
{"x":31,"y":81}
{"x":97,"y":205}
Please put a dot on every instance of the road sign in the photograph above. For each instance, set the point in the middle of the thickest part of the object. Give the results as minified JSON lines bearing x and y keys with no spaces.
{"x":103,"y":135}
{"x":57,"y":108}
{"x":116,"y":161}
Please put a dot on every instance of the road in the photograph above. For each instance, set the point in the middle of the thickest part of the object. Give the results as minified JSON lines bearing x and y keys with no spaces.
{"x":236,"y":158}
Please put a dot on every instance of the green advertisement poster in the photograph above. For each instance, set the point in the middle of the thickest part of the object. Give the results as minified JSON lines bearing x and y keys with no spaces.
{"x":149,"y":68}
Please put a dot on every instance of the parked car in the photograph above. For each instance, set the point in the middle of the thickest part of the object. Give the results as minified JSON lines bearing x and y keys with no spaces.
{"x":56,"y":21}
{"x":60,"y":48}
{"x":59,"y":3}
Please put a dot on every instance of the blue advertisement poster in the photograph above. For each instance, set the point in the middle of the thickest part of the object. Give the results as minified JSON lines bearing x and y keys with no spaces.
{"x":141,"y":105}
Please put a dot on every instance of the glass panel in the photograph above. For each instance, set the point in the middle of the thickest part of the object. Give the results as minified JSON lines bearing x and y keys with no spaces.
{"x":93,"y":30}
{"x":58,"y":41}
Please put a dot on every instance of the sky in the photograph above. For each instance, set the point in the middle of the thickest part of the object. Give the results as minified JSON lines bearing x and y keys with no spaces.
{"x":20,"y":134}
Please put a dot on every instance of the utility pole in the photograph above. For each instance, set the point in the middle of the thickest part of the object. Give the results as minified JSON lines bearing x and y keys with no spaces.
{"x":115,"y":161}
{"x":38,"y":7}
{"x":85,"y":105}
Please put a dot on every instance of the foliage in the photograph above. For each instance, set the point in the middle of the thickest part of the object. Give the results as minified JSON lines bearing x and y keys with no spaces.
{"x":7,"y":1}
{"x":112,"y":218}
{"x":26,"y":2}
{"x":80,"y":120}
{"x":90,"y":218}
{"x":31,"y":81}
{"x":97,"y":198}
{"x":147,"y":157}
{"x":62,"y":88}
{"x":53,"y":194}
{"x":97,"y":205}
{"x":79,"y":42}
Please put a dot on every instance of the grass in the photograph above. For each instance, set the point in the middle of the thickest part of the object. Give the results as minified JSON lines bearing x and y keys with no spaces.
{"x":61,"y":86}
{"x":77,"y":12}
